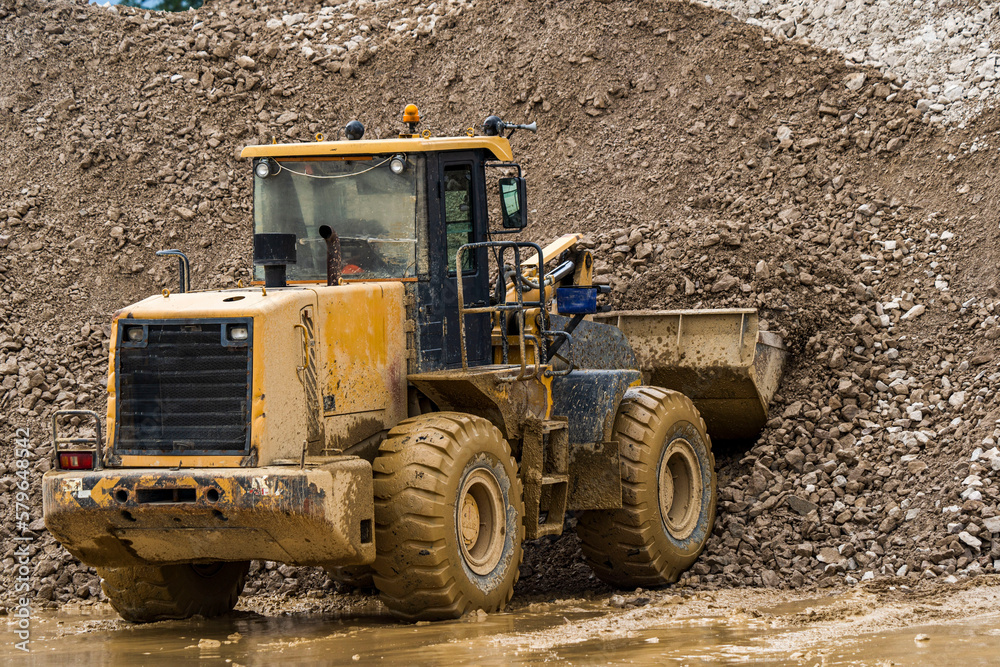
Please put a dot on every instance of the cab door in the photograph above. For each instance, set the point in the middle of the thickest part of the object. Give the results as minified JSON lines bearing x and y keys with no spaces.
{"x":461,"y":218}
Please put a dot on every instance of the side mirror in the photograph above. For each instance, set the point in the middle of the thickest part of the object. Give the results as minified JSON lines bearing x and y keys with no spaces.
{"x":513,"y":196}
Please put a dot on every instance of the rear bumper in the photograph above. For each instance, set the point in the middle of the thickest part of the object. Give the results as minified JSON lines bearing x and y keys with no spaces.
{"x":127,"y":517}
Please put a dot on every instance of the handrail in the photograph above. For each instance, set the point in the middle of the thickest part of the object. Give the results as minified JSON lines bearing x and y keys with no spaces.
{"x":518,"y":307}
{"x":96,"y":440}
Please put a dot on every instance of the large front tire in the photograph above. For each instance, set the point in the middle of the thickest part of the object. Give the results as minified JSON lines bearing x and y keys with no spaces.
{"x":448,"y":517}
{"x":147,"y":593}
{"x":668,"y":493}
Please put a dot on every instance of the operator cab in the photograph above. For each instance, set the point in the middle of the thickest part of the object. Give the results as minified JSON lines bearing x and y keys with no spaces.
{"x":373,"y":208}
{"x":394,"y":209}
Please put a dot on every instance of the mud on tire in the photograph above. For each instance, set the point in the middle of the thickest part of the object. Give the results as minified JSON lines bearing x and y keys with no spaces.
{"x":354,"y":576}
{"x":146,"y":594}
{"x":668,"y":493}
{"x":448,"y":517}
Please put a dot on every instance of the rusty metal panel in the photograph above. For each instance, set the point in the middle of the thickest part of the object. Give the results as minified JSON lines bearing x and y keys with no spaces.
{"x":302,"y":516}
{"x":595,"y":481}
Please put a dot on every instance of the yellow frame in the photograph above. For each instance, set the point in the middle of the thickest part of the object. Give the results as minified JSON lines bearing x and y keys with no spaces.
{"x":498,"y":146}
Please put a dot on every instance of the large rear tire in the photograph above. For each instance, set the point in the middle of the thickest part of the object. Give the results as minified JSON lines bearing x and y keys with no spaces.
{"x":448,"y":517}
{"x":146,"y":594}
{"x":668,"y":493}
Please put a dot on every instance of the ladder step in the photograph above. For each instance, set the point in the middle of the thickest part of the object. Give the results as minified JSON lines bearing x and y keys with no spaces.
{"x":550,"y":425}
{"x":549,"y":480}
{"x":548,"y":529}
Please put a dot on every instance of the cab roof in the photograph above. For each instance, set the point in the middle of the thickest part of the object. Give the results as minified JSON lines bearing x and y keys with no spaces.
{"x":498,"y":146}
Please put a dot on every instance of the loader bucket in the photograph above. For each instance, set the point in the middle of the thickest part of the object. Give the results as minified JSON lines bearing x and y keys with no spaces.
{"x":717,"y":358}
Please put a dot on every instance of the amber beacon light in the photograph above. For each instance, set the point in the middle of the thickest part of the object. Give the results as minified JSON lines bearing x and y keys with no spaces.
{"x":410,"y":114}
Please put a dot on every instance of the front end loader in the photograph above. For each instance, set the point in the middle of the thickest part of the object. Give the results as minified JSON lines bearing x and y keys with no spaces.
{"x":405,"y":394}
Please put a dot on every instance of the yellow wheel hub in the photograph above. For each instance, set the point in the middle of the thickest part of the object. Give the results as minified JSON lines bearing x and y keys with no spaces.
{"x":482,"y":521}
{"x":470,"y":520}
{"x":680,"y":489}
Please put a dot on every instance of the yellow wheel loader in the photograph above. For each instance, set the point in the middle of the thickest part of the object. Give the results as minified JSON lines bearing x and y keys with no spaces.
{"x":405,"y":394}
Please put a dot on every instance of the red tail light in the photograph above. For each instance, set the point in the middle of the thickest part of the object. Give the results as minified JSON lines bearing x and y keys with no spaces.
{"x":76,"y":460}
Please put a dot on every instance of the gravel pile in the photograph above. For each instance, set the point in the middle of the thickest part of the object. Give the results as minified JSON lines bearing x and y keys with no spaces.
{"x":947,"y":51}
{"x":710,"y":163}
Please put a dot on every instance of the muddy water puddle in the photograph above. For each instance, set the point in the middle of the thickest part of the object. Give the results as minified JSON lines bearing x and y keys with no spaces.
{"x":577,"y":632}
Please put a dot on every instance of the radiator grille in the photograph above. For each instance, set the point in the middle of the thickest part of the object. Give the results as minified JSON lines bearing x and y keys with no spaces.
{"x":182,"y":390}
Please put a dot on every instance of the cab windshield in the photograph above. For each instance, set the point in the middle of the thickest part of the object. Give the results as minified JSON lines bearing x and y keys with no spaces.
{"x":373,"y":210}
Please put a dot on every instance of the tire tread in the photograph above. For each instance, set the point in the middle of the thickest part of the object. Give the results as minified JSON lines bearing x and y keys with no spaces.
{"x":620,"y":545}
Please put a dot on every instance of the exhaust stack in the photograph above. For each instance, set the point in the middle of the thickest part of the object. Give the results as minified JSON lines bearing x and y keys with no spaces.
{"x":274,"y":252}
{"x":332,"y":255}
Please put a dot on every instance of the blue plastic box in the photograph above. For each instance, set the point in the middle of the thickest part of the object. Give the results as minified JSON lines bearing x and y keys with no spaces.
{"x":576,"y":300}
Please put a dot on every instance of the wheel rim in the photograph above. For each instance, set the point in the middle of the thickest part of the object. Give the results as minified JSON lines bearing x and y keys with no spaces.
{"x":680,"y":488}
{"x":481,"y":525}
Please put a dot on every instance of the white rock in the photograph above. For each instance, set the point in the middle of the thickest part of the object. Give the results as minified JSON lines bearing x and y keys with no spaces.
{"x":914,"y":313}
{"x":972,"y":494}
{"x":957,"y":400}
{"x":855,"y":80}
{"x":972,"y":541}
{"x":955,"y":91}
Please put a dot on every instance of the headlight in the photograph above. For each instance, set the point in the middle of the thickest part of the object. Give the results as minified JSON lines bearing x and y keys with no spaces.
{"x":263,"y":169}
{"x":134,"y":334}
{"x":397,"y":164}
{"x":238,"y":332}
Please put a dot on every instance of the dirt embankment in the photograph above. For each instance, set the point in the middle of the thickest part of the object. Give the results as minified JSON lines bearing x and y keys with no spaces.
{"x":710,"y":164}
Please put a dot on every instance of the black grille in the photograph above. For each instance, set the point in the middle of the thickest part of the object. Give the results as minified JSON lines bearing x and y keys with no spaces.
{"x":181,"y":389}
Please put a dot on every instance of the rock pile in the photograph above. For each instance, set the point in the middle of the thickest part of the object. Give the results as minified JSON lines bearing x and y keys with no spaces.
{"x":945,"y":50}
{"x":710,"y":163}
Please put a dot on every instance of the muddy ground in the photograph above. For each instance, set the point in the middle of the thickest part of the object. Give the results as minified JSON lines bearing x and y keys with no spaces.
{"x":888,"y":623}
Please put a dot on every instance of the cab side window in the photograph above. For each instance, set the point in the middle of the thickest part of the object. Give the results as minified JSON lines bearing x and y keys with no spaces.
{"x":458,"y":215}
